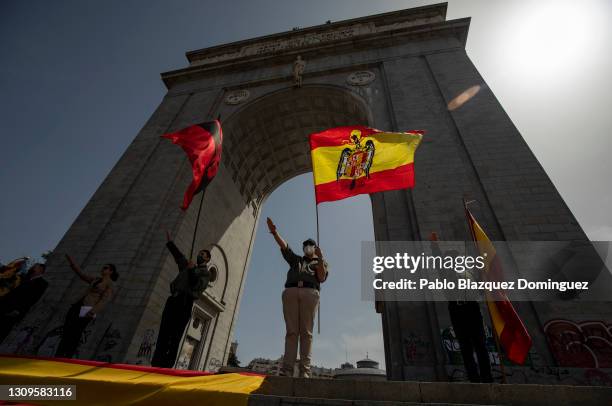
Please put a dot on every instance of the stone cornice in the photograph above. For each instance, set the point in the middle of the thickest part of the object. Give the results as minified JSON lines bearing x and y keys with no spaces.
{"x":320,"y":34}
{"x":350,"y":34}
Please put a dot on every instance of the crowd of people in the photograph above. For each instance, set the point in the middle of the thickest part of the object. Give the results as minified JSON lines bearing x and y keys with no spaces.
{"x":20,"y":290}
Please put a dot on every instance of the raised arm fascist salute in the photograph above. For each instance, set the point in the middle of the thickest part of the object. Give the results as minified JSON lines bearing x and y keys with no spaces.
{"x":92,"y":301}
{"x":186,"y":287}
{"x":300,"y":300}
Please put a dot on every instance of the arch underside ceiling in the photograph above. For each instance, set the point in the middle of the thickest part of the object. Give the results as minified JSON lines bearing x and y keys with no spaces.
{"x":266,"y":143}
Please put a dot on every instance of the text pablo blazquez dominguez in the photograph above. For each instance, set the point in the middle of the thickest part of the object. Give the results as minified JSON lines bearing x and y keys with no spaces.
{"x":459,"y":264}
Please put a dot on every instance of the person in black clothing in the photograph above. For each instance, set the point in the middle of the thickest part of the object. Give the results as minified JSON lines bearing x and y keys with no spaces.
{"x":185,"y":288}
{"x":18,"y":302}
{"x":469,"y":330}
{"x":467,"y":322}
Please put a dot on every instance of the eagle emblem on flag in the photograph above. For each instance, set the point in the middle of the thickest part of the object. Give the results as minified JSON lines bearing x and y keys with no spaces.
{"x":343,"y":163}
{"x":356,"y":160}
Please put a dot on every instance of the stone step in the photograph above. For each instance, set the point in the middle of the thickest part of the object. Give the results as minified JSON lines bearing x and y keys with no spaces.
{"x":269,"y":400}
{"x":297,"y":391}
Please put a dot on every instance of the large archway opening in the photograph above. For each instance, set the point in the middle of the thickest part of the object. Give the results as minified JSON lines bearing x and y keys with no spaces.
{"x":266,"y":142}
{"x":350,"y":329}
{"x":266,"y":149}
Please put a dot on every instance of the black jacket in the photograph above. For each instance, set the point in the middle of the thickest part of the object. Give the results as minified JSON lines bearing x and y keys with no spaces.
{"x":190,"y":281}
{"x":24,"y":296}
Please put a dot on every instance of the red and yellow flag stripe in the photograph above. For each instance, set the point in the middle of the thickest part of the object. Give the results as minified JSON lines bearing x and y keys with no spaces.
{"x":509,"y":328}
{"x":99,"y":383}
{"x":392,"y":165}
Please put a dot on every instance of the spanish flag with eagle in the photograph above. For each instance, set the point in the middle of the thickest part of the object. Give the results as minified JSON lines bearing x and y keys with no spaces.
{"x":348,"y":161}
{"x":509,"y":328}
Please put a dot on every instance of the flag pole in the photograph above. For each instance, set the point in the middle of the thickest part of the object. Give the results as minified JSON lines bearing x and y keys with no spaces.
{"x":318,"y":243}
{"x":195,"y":231}
{"x":317,"y":215}
{"x":497,"y":345}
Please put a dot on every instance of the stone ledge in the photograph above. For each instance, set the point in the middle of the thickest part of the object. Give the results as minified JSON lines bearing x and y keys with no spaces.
{"x":429,"y":392}
{"x":270,"y":400}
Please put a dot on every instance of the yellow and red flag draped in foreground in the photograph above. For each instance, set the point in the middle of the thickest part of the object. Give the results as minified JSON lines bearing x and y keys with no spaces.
{"x":348,"y":161}
{"x":99,"y":383}
{"x":513,"y":336}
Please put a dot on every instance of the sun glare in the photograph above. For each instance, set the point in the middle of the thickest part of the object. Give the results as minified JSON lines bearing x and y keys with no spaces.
{"x":551,"y":40}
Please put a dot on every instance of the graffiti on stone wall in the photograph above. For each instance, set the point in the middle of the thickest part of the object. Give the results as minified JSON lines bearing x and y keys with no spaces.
{"x":23,"y":338}
{"x":85,"y":338}
{"x":415,"y":347}
{"x":451,"y":346}
{"x":582,"y":349}
{"x":50,"y":341}
{"x":214,"y":365}
{"x":456,"y":372}
{"x":23,"y":341}
{"x":146,"y":345}
{"x":110,"y":340}
{"x":586,"y":344}
{"x":540,"y":375}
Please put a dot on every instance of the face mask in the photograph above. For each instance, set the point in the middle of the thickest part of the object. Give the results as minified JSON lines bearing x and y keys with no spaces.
{"x":201,"y":260}
{"x":309,"y":249}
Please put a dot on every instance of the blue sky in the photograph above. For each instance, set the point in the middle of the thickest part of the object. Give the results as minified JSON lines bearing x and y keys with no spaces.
{"x":79,"y":79}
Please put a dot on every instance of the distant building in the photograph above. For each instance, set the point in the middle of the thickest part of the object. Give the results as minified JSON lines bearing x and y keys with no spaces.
{"x":367,"y":370}
{"x":234,"y":347}
{"x":273,"y":367}
{"x":320,"y":372}
{"x":232,"y":359}
{"x":266,"y":366}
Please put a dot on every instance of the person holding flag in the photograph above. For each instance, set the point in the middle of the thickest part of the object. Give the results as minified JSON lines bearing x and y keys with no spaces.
{"x":11,"y":274}
{"x":468,"y":326}
{"x":509,"y":329}
{"x":352,"y":160}
{"x":15,"y":305}
{"x":300,"y":300}
{"x":203,"y":145}
{"x":186,"y":287}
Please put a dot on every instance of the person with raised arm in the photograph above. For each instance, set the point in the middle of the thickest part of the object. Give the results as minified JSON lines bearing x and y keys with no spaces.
{"x":191,"y":280}
{"x":98,"y":293}
{"x":300,"y":300}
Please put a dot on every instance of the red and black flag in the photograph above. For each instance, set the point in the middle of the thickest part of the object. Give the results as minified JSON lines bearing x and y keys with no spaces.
{"x":202,"y":144}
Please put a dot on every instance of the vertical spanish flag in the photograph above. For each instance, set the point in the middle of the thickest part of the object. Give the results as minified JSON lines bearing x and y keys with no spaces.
{"x":348,"y":161}
{"x":511,"y":332}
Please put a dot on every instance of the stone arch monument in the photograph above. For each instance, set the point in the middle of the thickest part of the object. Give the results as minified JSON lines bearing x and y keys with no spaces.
{"x":394,"y":71}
